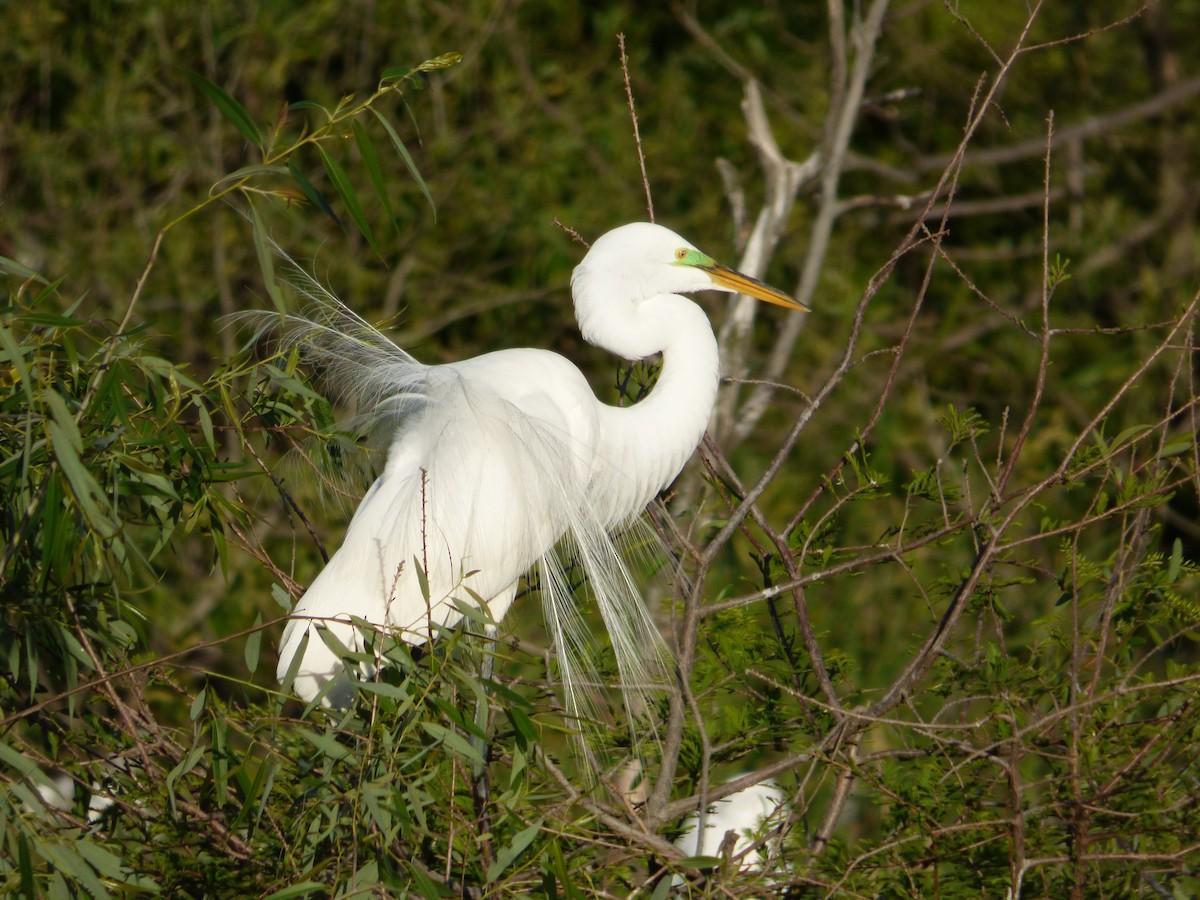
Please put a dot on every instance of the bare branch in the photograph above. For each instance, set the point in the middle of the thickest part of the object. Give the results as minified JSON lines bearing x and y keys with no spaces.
{"x":637,"y":136}
{"x":839,"y":128}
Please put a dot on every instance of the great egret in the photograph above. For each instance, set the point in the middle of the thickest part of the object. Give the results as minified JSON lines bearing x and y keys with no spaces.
{"x":496,"y":461}
{"x":744,"y":813}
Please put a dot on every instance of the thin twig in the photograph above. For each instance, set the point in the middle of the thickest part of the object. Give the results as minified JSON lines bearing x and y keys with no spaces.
{"x":637,"y":137}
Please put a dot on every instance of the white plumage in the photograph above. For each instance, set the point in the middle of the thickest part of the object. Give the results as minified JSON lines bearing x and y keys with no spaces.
{"x":506,"y":460}
{"x":744,"y":813}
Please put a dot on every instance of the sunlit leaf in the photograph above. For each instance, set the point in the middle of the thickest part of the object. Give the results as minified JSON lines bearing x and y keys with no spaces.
{"x":453,"y":741}
{"x":408,"y":160}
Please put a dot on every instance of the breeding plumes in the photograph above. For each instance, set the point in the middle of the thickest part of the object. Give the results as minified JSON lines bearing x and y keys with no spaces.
{"x":507,"y":461}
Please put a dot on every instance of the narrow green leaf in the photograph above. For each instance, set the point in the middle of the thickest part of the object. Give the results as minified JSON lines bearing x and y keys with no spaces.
{"x":1176,"y":562}
{"x":186,"y":765}
{"x":229,"y":107}
{"x":17,"y":357}
{"x":253,"y":790}
{"x":108,"y":864}
{"x":289,"y":677}
{"x":206,"y":423}
{"x":371,"y":158}
{"x":48,"y":289}
{"x":254,"y":644}
{"x":1131,"y":433}
{"x":52,"y":320}
{"x":522,"y":724}
{"x":266,"y":259}
{"x":455,"y":715}
{"x":25,"y":863}
{"x":700,"y":862}
{"x":24,"y":795}
{"x":453,"y":741}
{"x":280,"y":596}
{"x":366,"y":878}
{"x":15,"y":268}
{"x":248,"y":171}
{"x":509,"y":854}
{"x":315,"y":197}
{"x":198,"y":704}
{"x":309,"y":104}
{"x":123,"y":633}
{"x":18,"y":761}
{"x":408,"y":160}
{"x":74,"y":647}
{"x":334,"y":643}
{"x":426,"y":884}
{"x":517,"y":772}
{"x":58,"y":888}
{"x":67,"y":861}
{"x":222,"y":548}
{"x":303,"y":889}
{"x":383,"y":689}
{"x":475,"y":612}
{"x":327,"y":744}
{"x":1177,"y":446}
{"x":167,"y":370}
{"x":68,"y":448}
{"x":341,"y":183}
{"x":379,"y":813}
{"x":559,"y":866}
{"x":422,"y":579}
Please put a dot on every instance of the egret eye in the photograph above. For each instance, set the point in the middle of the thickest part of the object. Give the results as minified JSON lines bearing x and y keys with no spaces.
{"x":681,"y":253}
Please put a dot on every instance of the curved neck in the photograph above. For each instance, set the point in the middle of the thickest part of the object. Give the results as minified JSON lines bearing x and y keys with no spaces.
{"x":651,"y":441}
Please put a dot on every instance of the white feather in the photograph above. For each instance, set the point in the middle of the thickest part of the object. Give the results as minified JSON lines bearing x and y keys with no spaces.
{"x":747,"y":813}
{"x":507,"y":461}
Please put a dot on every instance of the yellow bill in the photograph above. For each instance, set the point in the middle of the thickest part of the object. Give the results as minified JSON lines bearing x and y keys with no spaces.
{"x":751,"y":287}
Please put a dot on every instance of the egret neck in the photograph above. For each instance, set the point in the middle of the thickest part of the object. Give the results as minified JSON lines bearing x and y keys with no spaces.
{"x":651,"y":441}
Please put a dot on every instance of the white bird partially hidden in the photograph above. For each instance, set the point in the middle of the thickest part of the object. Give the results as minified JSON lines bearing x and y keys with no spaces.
{"x":747,"y":813}
{"x":506,"y":461}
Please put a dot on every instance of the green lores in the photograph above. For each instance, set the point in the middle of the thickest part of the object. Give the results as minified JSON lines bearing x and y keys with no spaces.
{"x":688,"y":257}
{"x":735,"y":281}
